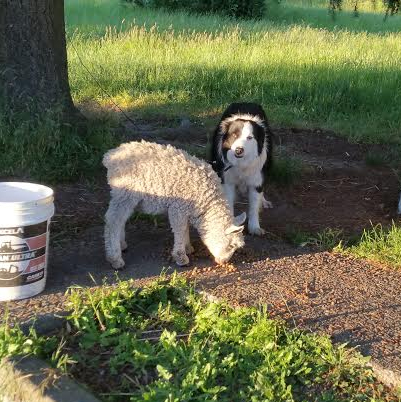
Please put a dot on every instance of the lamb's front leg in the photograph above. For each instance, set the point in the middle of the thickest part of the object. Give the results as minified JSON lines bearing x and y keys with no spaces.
{"x":255,"y":200}
{"x":188,"y":246}
{"x":179,"y":224}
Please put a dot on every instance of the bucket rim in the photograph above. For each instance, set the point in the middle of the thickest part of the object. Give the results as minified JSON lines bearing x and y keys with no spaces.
{"x":41,"y":200}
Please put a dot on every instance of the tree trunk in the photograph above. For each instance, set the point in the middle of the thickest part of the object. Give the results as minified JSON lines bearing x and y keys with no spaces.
{"x":33,"y":55}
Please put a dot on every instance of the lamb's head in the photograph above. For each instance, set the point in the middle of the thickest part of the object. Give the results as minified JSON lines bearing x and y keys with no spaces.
{"x":223,"y":246}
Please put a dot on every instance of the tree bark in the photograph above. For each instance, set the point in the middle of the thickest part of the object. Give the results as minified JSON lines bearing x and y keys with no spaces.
{"x":33,"y":55}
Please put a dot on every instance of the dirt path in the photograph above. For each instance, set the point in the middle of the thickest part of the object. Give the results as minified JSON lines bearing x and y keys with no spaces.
{"x":351,"y":300}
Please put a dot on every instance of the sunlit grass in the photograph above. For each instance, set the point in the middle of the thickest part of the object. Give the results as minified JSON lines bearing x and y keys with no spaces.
{"x":369,"y":6}
{"x":380,"y":245}
{"x":318,"y":16}
{"x":163,"y":342}
{"x":349,"y":82}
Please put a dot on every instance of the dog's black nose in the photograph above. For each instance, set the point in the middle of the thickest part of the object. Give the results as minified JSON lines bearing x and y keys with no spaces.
{"x":239,"y":151}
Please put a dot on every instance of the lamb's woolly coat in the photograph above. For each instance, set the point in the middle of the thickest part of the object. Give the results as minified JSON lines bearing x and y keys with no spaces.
{"x":160,"y":179}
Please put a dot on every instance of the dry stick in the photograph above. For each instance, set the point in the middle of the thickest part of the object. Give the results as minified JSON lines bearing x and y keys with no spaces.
{"x":152,"y":330}
{"x":157,"y":338}
{"x":370,"y":188}
{"x":325,"y":180}
{"x":117,"y":394}
{"x":136,"y":383}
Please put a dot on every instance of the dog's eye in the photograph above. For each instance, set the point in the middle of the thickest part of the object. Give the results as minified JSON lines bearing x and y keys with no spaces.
{"x":250,"y":137}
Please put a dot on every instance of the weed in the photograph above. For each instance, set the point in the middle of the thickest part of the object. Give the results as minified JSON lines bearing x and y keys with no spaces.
{"x":195,"y":150}
{"x":156,"y":220}
{"x":298,"y":237}
{"x":379,"y":244}
{"x":285,"y":170}
{"x":327,"y":239}
{"x":13,"y":341}
{"x":164,"y":342}
{"x":376,"y":159}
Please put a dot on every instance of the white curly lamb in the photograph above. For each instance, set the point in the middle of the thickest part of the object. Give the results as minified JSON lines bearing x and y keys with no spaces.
{"x":160,"y":179}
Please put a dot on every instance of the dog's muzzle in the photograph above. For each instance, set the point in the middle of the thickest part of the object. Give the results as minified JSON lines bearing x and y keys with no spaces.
{"x":239,"y":152}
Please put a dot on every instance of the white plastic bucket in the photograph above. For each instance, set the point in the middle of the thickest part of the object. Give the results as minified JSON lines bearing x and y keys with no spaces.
{"x":25,"y":213}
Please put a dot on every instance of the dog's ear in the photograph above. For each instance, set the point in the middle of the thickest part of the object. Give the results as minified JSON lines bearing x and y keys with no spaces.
{"x":224,"y":126}
{"x":240,"y":219}
{"x":217,"y":157}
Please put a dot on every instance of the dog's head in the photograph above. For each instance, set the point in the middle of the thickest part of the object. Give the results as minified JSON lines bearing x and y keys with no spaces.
{"x":243,"y":138}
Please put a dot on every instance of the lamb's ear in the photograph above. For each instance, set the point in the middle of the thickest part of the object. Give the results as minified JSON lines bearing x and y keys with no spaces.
{"x":240,"y":219}
{"x":234,"y":229}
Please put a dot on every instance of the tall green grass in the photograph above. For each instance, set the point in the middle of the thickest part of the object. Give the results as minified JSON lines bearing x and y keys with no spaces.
{"x":152,"y":62}
{"x":315,"y":13}
{"x":43,"y":148}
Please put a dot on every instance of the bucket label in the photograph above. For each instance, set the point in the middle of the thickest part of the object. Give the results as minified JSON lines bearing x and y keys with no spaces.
{"x":22,"y":254}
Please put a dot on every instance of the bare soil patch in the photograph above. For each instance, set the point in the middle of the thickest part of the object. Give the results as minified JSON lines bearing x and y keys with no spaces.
{"x":336,"y":189}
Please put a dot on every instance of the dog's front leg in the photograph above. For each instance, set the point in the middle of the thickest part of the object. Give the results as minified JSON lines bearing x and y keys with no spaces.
{"x":229,"y":191}
{"x":266,"y":203}
{"x":255,"y":199}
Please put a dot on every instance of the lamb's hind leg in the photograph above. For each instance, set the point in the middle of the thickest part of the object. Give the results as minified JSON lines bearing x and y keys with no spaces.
{"x":179,"y":225}
{"x":120,"y":209}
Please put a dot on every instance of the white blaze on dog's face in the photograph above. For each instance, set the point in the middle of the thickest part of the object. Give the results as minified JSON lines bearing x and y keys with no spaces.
{"x":240,"y":144}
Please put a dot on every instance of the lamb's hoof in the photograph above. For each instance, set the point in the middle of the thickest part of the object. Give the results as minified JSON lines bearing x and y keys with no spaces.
{"x":117,"y":263}
{"x":124,"y":246}
{"x":181,"y":259}
{"x":189,"y":249}
{"x":256,"y":231}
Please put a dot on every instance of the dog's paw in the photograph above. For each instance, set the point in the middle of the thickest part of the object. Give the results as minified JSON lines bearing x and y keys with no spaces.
{"x":267,"y":204}
{"x":256,"y":230}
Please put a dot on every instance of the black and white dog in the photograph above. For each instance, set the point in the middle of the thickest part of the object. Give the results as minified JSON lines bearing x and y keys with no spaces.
{"x":241,"y":155}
